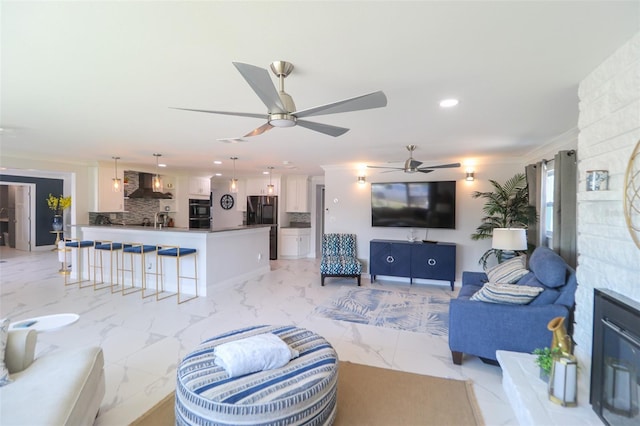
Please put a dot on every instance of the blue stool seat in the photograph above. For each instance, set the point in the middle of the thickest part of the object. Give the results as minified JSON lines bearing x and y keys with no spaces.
{"x":176,"y":251}
{"x":140,"y":249}
{"x":304,"y":391}
{"x":82,"y":244}
{"x":109,"y":246}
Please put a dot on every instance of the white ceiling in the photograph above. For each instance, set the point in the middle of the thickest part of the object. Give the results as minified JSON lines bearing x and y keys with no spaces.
{"x":85,"y":81}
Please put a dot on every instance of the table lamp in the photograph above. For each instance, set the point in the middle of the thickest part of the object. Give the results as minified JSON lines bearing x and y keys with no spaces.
{"x":509,"y":240}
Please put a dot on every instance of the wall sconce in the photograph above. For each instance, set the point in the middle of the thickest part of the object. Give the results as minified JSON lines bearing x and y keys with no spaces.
{"x":117,"y":184}
{"x":563,"y":381}
{"x":157,"y":183}
{"x":362,"y":180}
{"x":471,"y":176}
{"x":270,"y":188}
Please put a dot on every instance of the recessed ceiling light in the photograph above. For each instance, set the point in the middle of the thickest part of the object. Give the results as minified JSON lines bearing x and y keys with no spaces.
{"x":265,"y":172}
{"x":217,"y":162}
{"x":162,"y":165}
{"x":448,"y":103}
{"x":218,"y":174}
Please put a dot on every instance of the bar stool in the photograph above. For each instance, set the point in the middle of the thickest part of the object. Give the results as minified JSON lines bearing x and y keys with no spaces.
{"x":142,"y":250}
{"x":177,"y":253}
{"x":101,"y":248}
{"x":78,"y":245}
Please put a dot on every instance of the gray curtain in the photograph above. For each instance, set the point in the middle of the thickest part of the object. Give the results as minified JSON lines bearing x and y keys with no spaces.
{"x":534,"y":187}
{"x":564,"y":206}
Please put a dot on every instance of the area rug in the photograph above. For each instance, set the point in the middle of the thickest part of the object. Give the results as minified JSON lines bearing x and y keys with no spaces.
{"x":379,"y":397}
{"x":391,"y":309}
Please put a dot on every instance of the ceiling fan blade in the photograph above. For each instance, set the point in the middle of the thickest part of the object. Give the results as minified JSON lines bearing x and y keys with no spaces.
{"x":322,"y":128}
{"x":413,"y":164}
{"x":240,"y":114}
{"x":383,"y":167}
{"x":442,"y":166}
{"x":368,"y":101}
{"x":260,"y":81}
{"x":425,"y":170}
{"x":259,"y":130}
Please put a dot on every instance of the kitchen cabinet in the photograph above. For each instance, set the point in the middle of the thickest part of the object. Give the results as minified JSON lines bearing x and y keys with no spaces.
{"x":294,"y":242}
{"x":105,"y":199}
{"x":258,"y":186}
{"x":297,"y":194}
{"x":199,"y":187}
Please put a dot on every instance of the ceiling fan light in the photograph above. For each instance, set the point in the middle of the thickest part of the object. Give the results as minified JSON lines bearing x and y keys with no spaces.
{"x":282,"y":120}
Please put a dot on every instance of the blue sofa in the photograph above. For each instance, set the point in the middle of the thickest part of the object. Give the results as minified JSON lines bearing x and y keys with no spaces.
{"x":481,"y":328}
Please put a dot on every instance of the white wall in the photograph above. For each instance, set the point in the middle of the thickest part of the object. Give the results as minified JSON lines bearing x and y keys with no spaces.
{"x":609,"y":130}
{"x":352,"y":211}
{"x":224,"y":218}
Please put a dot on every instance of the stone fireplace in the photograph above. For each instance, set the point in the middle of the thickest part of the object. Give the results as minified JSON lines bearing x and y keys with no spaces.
{"x":615,"y":363}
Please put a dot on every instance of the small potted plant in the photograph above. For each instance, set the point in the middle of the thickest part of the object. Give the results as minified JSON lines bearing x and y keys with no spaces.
{"x":544,"y":360}
{"x":58,"y":205}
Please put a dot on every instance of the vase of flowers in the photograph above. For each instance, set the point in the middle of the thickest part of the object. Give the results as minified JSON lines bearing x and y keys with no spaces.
{"x":58,"y":205}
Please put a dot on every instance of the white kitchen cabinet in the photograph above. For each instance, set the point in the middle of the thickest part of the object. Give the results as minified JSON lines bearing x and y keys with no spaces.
{"x":297,"y":194}
{"x":258,"y":186}
{"x":106,"y":200}
{"x":294,"y":242}
{"x":199,"y":187}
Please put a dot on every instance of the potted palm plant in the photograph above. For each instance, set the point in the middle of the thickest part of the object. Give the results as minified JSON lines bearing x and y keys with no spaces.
{"x":507,"y":206}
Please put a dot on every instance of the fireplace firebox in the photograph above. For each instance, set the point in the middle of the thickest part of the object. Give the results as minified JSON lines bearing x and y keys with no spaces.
{"x":615,"y":362}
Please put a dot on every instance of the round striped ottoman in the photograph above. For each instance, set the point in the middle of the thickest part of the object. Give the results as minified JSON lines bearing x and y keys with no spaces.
{"x":303,"y":392}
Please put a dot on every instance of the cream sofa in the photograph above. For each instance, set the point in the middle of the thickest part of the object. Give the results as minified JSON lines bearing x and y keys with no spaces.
{"x":65,"y":387}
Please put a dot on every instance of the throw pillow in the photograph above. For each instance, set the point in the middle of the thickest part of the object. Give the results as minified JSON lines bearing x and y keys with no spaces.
{"x":549,"y":267}
{"x":506,"y":293}
{"x":508,"y":272}
{"x":4,"y":333}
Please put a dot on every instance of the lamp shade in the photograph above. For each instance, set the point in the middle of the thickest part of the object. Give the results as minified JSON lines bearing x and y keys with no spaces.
{"x":509,"y":239}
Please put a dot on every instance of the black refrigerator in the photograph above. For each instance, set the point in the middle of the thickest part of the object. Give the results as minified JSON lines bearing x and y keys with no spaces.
{"x":263,"y":210}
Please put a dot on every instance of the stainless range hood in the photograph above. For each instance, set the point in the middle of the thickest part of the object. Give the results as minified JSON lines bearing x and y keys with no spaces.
{"x":145,"y":180}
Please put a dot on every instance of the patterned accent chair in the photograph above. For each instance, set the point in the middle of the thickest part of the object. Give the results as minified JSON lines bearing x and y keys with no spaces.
{"x":339,"y":257}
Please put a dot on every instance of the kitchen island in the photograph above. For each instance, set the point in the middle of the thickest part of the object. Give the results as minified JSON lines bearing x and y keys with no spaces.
{"x":224,"y":255}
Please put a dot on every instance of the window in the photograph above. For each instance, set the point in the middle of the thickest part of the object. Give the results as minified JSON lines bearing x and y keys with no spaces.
{"x":546,"y":219}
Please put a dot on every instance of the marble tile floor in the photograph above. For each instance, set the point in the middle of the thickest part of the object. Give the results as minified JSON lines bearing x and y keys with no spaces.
{"x":144,"y":340}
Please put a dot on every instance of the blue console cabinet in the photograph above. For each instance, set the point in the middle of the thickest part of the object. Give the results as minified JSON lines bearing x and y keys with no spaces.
{"x":432,"y":261}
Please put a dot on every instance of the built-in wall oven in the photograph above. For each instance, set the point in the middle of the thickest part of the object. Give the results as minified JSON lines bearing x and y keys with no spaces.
{"x":199,"y":214}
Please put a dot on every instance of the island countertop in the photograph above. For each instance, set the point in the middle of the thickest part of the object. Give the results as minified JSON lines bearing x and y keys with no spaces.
{"x":173,"y":229}
{"x":224,"y":255}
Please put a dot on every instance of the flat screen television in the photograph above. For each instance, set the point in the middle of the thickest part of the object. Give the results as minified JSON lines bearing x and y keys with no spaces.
{"x":414,"y":204}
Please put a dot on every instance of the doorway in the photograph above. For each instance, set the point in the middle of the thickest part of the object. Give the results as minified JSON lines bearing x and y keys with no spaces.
{"x":17,"y":208}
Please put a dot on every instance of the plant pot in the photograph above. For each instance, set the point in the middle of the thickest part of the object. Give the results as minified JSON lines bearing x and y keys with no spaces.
{"x":544,"y":376}
{"x":56,"y":225}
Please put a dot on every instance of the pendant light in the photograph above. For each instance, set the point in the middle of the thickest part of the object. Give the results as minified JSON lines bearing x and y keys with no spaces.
{"x":157,"y":183}
{"x":117,"y":183}
{"x":234,"y":182}
{"x":270,"y":186}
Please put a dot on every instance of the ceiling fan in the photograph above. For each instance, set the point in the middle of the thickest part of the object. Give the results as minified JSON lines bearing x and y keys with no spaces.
{"x":412,"y":166}
{"x":282,"y":112}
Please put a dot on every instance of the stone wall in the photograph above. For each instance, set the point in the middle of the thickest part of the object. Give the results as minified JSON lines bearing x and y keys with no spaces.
{"x":609,"y":126}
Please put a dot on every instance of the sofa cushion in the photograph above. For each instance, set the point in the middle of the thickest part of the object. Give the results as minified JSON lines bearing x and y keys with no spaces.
{"x":466,"y":291}
{"x":4,"y":333}
{"x":548,"y":295}
{"x":549,"y":267}
{"x":506,"y":293}
{"x":508,"y":272}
